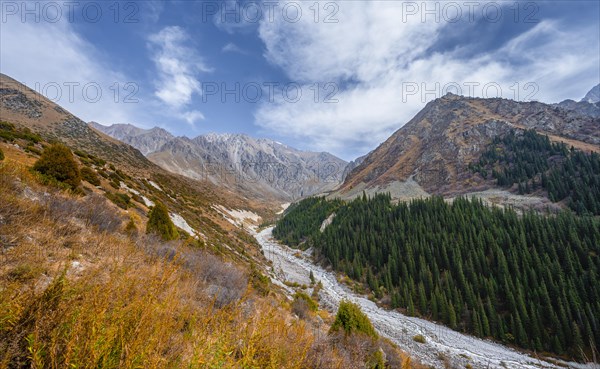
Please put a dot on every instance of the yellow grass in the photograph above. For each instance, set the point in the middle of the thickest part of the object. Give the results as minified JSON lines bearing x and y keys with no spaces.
{"x":73,"y":296}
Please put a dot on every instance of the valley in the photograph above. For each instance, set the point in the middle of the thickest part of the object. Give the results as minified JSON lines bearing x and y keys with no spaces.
{"x":476,"y":220}
{"x":239,"y":184}
{"x":443,"y":346}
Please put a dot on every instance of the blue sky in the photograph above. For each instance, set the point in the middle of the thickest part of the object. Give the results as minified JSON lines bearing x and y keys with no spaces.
{"x":328,"y":76}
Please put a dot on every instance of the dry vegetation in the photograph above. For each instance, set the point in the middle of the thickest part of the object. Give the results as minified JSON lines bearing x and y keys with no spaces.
{"x":81,"y":288}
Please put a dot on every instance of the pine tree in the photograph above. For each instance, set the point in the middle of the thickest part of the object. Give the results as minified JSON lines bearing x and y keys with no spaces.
{"x":451,"y":316}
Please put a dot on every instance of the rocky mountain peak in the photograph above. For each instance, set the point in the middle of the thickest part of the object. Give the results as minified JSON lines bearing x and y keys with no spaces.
{"x":433,"y":150}
{"x":593,"y":95}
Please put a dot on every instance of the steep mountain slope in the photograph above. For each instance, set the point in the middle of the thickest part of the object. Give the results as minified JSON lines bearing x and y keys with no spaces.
{"x":259,"y":168}
{"x":432,"y":152}
{"x":353,"y":164}
{"x":23,"y":106}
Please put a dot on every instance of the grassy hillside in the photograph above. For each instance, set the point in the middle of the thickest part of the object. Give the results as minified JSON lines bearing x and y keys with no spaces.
{"x":82,"y":284}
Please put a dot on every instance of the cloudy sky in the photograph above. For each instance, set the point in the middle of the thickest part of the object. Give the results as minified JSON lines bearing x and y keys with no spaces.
{"x":317,"y":75}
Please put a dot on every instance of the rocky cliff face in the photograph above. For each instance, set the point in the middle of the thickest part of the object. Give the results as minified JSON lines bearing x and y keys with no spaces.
{"x":258,"y":167}
{"x":581,"y":107}
{"x":353,"y":164}
{"x":435,"y":148}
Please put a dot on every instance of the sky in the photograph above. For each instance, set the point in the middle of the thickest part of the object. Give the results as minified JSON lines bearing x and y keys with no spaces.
{"x":336,"y":76}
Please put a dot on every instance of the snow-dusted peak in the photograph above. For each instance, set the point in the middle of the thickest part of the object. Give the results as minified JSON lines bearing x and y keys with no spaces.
{"x":593,"y":96}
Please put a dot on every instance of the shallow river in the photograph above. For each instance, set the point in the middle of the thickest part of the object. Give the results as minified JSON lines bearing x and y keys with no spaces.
{"x":291,"y":266}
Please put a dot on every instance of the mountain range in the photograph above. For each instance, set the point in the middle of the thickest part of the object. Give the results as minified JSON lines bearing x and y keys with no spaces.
{"x":429,"y":155}
{"x":256,"y":167}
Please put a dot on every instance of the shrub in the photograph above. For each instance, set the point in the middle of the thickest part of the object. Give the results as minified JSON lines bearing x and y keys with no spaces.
{"x":312,"y":305}
{"x":57,"y":162}
{"x":80,"y":153}
{"x":160,"y":224}
{"x":303,"y":305}
{"x":1,"y":154}
{"x":90,"y":176}
{"x":138,"y":198}
{"x":32,"y":149}
{"x":260,"y":282}
{"x":9,"y":132}
{"x":301,"y":309}
{"x":419,"y":338}
{"x":93,"y":210}
{"x":96,"y":160}
{"x":351,"y":319}
{"x":120,"y":199}
{"x":377,"y":360}
{"x":24,"y":272}
{"x":131,"y":228}
{"x":6,"y":126}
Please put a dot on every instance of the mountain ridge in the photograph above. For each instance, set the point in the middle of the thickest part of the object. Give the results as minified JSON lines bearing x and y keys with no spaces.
{"x":433,"y":150}
{"x":257,"y":166}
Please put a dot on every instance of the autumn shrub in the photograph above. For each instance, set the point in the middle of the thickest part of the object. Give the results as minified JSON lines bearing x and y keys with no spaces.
{"x":57,"y":162}
{"x":92,"y":210}
{"x":303,"y":305}
{"x":10,"y":133}
{"x":301,"y":309}
{"x":90,"y":176}
{"x":122,"y":200}
{"x":225,"y":282}
{"x":260,"y":282}
{"x":131,"y":228}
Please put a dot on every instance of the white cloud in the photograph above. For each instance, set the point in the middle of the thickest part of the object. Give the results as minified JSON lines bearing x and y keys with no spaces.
{"x":192,"y":116}
{"x":374,"y":57}
{"x":51,"y":57}
{"x":234,"y":15}
{"x":178,"y":65}
{"x":233,"y":48}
